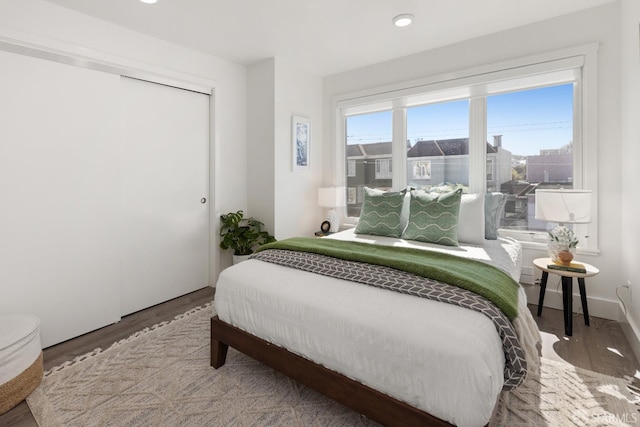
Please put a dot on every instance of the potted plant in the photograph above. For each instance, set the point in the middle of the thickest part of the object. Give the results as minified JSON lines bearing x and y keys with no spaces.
{"x":562,"y":244}
{"x":242,"y":234}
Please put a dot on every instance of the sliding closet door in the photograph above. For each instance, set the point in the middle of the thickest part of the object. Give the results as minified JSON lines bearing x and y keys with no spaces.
{"x":165,"y":164}
{"x":59,"y":195}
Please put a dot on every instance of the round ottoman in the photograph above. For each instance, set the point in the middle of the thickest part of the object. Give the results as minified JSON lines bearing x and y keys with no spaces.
{"x":20,"y":358}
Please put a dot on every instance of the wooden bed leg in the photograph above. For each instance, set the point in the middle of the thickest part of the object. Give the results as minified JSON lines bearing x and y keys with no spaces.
{"x":218,"y":352}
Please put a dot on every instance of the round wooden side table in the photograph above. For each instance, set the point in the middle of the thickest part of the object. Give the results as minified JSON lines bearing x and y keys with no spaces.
{"x":567,"y":289}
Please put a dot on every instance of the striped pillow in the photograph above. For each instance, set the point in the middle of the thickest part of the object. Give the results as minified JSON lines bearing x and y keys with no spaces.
{"x":380,"y":213}
{"x":433,"y":218}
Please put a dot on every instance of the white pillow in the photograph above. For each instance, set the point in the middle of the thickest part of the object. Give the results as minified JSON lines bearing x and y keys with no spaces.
{"x":404,"y":214}
{"x":471,"y":219}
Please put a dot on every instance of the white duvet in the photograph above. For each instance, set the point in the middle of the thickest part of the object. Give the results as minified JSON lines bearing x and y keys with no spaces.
{"x":443,"y":359}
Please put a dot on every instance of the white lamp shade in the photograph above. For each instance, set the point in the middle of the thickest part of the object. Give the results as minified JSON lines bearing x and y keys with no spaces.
{"x":331,"y":197}
{"x":564,"y":206}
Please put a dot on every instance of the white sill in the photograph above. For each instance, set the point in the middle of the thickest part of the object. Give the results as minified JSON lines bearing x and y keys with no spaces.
{"x":538,"y":241}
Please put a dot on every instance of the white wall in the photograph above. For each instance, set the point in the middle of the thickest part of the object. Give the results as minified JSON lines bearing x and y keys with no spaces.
{"x":594,"y":25}
{"x":630,"y":153}
{"x":260,"y":142}
{"x":284,"y":200}
{"x":58,"y":26}
{"x":297,"y":93}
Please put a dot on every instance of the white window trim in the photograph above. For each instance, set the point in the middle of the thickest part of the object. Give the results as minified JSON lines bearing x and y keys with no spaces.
{"x":585,"y":121}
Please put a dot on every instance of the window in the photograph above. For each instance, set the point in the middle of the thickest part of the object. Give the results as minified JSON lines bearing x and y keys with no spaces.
{"x":513,"y":129}
{"x":351,"y":168}
{"x":438,"y":144}
{"x":489,"y":170}
{"x":368,"y":155}
{"x":384,"y":169}
{"x":351,"y":195}
{"x":531,"y":147}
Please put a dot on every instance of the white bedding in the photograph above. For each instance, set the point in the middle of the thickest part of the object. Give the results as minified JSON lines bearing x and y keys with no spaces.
{"x":440,"y":358}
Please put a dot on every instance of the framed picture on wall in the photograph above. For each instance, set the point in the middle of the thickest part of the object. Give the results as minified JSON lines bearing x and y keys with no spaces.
{"x":301,"y":143}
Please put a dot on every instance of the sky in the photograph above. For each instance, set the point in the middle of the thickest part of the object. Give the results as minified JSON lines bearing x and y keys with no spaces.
{"x":527,"y":120}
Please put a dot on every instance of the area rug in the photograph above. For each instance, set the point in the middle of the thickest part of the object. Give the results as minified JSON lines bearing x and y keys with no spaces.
{"x":161,"y":376}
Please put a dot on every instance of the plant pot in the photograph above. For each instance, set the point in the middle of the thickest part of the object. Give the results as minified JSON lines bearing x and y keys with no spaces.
{"x":237,"y":259}
{"x":565,"y":257}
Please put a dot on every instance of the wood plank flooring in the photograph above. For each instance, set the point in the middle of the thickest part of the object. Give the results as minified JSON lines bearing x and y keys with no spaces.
{"x":601,"y":347}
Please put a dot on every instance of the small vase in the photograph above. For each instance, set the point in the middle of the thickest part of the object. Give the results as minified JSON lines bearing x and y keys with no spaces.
{"x":565,"y":257}
{"x":560,"y":254}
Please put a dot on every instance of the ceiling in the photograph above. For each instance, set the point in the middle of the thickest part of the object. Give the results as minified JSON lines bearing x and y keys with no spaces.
{"x":322,"y":36}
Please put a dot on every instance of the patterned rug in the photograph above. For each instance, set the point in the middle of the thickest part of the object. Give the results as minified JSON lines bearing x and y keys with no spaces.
{"x":161,"y":376}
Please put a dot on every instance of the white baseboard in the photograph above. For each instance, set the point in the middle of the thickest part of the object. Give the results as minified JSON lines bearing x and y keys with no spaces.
{"x":598,"y":307}
{"x":630,"y":330}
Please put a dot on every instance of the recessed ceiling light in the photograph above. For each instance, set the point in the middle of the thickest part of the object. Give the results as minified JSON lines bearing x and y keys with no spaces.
{"x":403,"y":20}
{"x":149,"y":1}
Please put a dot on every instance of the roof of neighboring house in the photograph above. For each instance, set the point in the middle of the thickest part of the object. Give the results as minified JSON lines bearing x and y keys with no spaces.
{"x":444,"y":147}
{"x":454,"y":147}
{"x":425,"y":149}
{"x":366,"y":150}
{"x":523,"y":188}
{"x":354,"y":151}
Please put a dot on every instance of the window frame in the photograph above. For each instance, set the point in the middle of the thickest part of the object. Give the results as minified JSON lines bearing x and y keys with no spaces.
{"x":468,"y":84}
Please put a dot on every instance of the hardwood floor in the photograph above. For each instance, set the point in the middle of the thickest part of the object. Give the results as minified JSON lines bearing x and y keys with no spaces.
{"x":601,"y":347}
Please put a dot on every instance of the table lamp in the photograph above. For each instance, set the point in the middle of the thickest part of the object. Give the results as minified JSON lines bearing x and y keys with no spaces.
{"x":332,"y":197}
{"x":564,"y":207}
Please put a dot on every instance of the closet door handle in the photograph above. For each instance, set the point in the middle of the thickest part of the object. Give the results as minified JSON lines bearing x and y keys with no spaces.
{"x":203,"y":200}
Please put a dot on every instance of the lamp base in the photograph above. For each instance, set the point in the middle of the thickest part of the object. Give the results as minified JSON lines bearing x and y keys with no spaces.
{"x":332,"y":217}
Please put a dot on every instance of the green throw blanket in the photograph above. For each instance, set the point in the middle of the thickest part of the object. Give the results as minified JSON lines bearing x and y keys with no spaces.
{"x":483,"y":279}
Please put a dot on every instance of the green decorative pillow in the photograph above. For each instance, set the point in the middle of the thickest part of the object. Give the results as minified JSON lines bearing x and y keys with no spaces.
{"x":433,"y":218}
{"x":493,"y":208}
{"x":380,"y":213}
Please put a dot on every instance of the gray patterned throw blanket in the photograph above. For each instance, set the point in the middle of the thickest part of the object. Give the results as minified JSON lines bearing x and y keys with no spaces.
{"x":400,"y":281}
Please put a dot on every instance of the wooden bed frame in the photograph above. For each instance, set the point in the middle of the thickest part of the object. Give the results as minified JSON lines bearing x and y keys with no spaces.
{"x":371,"y":403}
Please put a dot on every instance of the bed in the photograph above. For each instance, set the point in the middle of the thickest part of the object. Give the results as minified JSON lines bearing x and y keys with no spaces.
{"x":415,"y":317}
{"x":396,"y":358}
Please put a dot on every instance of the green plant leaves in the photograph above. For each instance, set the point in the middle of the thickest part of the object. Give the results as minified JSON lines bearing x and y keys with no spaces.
{"x":242,"y":234}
